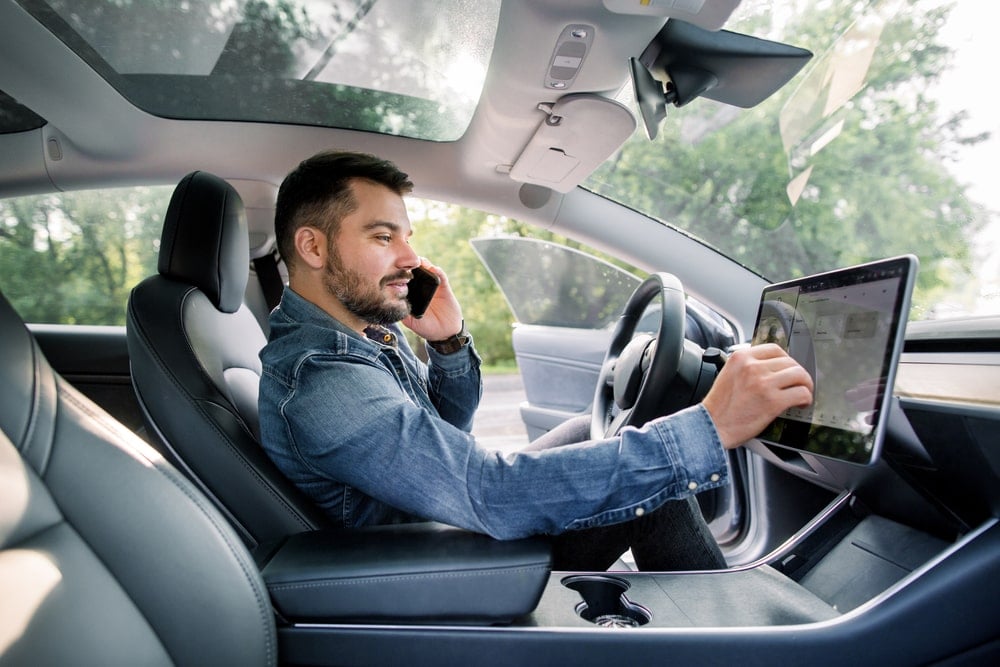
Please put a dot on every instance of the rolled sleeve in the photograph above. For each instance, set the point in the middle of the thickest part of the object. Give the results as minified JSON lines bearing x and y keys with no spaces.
{"x":690,"y":439}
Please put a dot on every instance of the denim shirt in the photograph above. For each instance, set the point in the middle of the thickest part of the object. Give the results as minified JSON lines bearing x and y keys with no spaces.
{"x":374,"y":435}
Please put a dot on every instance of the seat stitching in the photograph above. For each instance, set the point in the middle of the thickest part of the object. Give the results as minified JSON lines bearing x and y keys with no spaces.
{"x":465,"y":574}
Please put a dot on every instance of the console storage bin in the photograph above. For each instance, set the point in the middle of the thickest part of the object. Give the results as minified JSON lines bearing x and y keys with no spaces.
{"x":425,"y":572}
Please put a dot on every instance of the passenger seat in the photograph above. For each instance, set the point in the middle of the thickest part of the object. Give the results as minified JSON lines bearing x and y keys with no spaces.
{"x":109,"y":556}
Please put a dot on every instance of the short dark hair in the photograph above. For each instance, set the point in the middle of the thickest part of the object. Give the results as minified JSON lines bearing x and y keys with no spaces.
{"x":318,"y":193}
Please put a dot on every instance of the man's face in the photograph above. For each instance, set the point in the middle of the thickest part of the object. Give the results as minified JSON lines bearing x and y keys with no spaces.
{"x":370,"y":259}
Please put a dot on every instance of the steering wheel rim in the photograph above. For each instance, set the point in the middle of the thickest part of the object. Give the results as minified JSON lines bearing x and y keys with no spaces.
{"x":637,"y":370}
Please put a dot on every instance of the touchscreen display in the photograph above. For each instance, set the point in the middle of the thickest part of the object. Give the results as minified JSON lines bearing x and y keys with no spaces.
{"x":846,"y":328}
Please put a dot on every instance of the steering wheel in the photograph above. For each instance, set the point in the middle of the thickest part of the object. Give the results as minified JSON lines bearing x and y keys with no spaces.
{"x":638,"y":370}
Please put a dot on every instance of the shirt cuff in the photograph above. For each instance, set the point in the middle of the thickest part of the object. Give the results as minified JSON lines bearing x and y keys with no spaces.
{"x":456,"y":362}
{"x":692,"y":442}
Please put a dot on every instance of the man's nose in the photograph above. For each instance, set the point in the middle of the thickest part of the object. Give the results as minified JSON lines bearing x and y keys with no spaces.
{"x":408,"y":258}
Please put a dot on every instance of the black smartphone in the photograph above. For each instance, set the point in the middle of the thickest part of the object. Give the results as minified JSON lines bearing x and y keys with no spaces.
{"x":421,"y":290}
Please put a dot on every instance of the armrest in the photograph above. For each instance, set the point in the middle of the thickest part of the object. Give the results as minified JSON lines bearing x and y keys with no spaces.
{"x":410,"y":572}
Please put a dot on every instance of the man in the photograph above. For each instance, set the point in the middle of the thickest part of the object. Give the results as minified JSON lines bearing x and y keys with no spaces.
{"x":376,"y":436}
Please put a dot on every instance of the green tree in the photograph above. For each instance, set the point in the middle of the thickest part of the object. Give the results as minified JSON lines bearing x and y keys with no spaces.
{"x":72,"y":258}
{"x":441,"y":233}
{"x":880,"y":187}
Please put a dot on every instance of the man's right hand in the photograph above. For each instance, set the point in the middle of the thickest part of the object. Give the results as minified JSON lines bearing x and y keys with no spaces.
{"x":756,"y":385}
{"x":444,"y":315}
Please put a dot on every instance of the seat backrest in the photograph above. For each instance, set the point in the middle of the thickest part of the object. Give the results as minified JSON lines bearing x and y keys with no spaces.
{"x":107,"y":554}
{"x":193,"y":347}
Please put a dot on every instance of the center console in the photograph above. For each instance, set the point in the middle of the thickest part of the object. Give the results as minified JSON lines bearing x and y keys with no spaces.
{"x":846,"y":577}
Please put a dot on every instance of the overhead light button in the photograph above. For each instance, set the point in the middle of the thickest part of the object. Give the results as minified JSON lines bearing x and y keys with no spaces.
{"x":568,"y":56}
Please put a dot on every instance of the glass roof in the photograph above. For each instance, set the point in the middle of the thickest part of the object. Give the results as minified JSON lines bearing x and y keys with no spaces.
{"x":413,"y":69}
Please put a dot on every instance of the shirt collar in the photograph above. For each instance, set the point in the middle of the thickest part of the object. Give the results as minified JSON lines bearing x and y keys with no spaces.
{"x":301,"y":310}
{"x":381,"y":335}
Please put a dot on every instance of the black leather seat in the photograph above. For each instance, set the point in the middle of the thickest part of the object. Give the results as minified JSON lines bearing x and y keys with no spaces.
{"x":108,"y":556}
{"x":193,"y":347}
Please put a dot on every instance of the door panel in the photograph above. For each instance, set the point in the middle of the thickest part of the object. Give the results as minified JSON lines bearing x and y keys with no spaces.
{"x":559,"y":368}
{"x":94,"y":359}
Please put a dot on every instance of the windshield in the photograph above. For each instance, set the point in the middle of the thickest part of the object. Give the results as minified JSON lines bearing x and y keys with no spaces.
{"x":414,"y":69}
{"x":884,"y":144}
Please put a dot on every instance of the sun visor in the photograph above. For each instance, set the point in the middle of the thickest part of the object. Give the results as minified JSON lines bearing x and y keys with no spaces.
{"x":578,"y":134}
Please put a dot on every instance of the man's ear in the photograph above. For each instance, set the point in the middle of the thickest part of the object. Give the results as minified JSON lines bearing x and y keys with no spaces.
{"x":310,"y":245}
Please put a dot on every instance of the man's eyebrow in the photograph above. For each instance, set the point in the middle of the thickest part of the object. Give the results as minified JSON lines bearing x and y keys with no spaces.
{"x":377,"y":224}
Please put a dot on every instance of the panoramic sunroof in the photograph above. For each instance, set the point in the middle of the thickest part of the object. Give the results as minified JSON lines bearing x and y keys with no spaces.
{"x":413,"y":69}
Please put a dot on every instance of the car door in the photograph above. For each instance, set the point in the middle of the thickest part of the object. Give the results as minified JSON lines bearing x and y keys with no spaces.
{"x":566,"y":304}
{"x":94,"y":359}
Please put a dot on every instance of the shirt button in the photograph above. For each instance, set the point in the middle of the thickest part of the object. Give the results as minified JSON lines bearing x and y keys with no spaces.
{"x":639,"y":511}
{"x":715,"y":477}
{"x":692,"y":485}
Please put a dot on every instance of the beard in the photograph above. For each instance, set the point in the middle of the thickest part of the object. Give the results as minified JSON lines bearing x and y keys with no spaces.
{"x":363,"y":300}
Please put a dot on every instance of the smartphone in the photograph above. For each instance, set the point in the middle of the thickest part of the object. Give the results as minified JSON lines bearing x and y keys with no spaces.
{"x":421,"y":290}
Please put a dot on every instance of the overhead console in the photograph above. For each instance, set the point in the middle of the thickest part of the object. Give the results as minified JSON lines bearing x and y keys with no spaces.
{"x":580,"y":130}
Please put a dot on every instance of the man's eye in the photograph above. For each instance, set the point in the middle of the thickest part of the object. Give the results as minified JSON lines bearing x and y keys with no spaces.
{"x":385,"y":238}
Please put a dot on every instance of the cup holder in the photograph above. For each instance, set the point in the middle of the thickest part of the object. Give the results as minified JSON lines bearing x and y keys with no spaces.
{"x":604,"y":602}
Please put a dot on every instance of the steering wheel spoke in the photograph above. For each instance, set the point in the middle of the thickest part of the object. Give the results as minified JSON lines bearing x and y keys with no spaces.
{"x":620,"y":419}
{"x":639,"y":367}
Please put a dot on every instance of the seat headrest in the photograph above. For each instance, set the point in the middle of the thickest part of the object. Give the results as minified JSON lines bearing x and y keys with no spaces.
{"x":205,"y":241}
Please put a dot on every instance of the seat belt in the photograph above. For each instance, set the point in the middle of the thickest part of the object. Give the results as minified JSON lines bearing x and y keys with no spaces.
{"x":266,"y":267}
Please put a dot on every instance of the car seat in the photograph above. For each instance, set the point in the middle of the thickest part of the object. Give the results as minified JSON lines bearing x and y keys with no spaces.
{"x":107,"y":554}
{"x":193,"y":346}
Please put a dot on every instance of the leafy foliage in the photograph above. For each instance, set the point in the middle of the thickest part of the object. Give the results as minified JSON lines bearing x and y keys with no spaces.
{"x":72,"y":258}
{"x":441,"y":235}
{"x":872,"y":168}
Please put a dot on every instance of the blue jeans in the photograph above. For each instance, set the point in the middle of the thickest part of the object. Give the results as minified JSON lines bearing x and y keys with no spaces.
{"x":673,"y":537}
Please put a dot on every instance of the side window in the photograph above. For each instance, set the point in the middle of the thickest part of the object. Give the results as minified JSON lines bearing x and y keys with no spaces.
{"x":554,"y":285}
{"x":71,"y":258}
